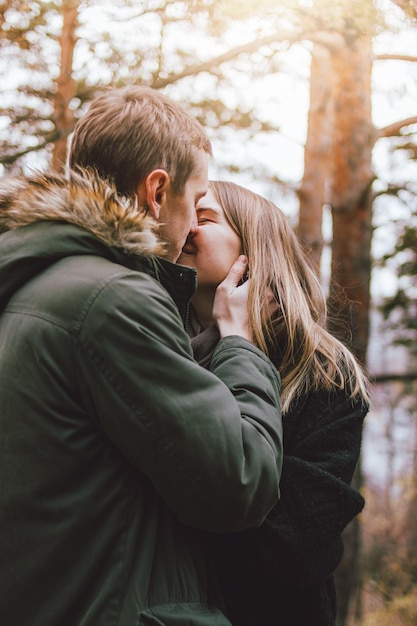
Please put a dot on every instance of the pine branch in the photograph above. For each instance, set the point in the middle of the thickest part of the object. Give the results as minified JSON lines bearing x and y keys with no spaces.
{"x":11,"y":158}
{"x":388,"y":378}
{"x":395,"y":57}
{"x":208,"y":66}
{"x":393,"y":130}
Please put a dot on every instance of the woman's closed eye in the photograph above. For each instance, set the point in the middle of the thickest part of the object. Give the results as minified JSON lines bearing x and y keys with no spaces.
{"x":207,"y":215}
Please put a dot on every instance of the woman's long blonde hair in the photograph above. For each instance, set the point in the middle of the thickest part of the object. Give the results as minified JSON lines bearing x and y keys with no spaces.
{"x":294,"y":333}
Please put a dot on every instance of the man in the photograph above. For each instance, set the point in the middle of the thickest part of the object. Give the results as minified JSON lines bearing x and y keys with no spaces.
{"x":116,"y":447}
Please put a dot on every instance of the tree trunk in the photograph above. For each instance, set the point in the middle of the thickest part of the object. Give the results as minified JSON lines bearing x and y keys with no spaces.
{"x":351,"y":200}
{"x":349,"y":296}
{"x":317,"y":156}
{"x":63,"y":116}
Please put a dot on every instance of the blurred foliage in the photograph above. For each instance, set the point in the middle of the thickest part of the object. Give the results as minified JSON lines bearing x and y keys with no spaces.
{"x":125,"y":41}
{"x":389,"y":560}
{"x":401,"y":611}
{"x":118,"y":42}
{"x":401,"y":308}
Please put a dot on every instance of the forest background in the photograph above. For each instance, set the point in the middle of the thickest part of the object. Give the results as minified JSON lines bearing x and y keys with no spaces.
{"x":312,"y":103}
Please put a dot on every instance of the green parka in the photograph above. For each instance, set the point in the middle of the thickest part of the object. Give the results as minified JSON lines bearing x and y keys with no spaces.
{"x":116,"y":447}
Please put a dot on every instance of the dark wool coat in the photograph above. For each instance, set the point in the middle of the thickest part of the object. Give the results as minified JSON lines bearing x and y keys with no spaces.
{"x":281,"y":574}
{"x":114,"y":442}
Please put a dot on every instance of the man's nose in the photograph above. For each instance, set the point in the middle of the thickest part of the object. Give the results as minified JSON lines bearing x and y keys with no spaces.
{"x":193,"y":229}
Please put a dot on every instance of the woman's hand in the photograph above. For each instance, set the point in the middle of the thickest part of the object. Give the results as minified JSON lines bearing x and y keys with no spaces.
{"x":230,"y":306}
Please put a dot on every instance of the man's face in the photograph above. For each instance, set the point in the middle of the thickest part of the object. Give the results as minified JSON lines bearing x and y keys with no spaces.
{"x":177,"y":216}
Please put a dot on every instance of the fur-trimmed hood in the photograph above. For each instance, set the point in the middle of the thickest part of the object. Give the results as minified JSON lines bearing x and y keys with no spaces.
{"x":47,"y":217}
{"x":83,"y":200}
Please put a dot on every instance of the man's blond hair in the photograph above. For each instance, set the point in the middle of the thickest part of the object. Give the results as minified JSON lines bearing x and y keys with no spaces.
{"x":127,"y":133}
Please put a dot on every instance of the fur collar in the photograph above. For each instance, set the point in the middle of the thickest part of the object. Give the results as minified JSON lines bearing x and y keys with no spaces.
{"x":84,"y":200}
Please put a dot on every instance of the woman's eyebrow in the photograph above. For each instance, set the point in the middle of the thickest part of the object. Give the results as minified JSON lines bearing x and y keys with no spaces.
{"x":200,"y":209}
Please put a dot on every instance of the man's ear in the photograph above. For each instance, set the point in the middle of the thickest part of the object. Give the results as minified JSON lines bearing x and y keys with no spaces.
{"x":152,"y":190}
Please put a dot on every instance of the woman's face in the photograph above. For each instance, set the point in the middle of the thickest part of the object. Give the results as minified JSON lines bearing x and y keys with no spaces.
{"x":214,"y":247}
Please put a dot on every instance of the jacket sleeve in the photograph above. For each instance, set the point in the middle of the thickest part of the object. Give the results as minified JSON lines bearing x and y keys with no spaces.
{"x":299,"y":542}
{"x":210,"y":442}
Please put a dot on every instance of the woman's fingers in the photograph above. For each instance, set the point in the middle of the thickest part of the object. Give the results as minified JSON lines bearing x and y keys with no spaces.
{"x":236,"y":273}
{"x":230,"y":307}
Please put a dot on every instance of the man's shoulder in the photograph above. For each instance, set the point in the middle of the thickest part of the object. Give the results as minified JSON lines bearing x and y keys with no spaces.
{"x":78,"y":287}
{"x":109,"y":284}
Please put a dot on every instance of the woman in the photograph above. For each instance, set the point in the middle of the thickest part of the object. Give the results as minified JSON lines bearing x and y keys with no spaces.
{"x":282,"y":572}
